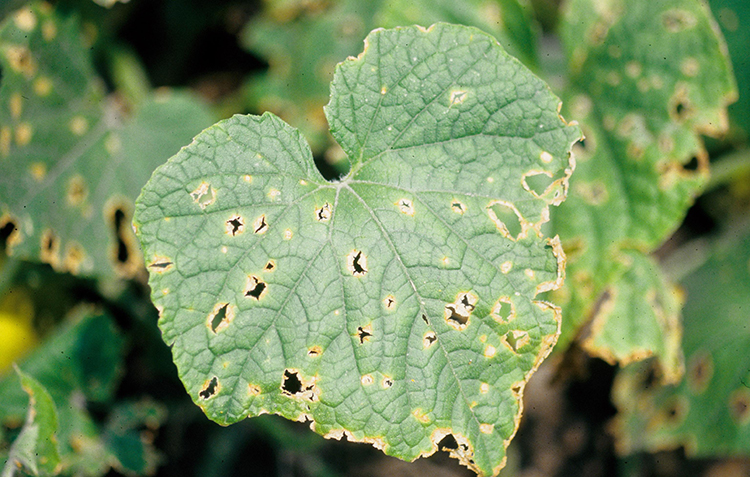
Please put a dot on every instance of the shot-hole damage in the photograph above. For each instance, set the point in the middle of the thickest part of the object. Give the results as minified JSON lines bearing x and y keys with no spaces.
{"x":739,"y":406}
{"x":323,"y":214}
{"x":387,"y":382}
{"x":424,"y":318}
{"x":260,"y":226}
{"x":356,"y":263}
{"x":270,"y":266}
{"x":364,"y":333}
{"x":9,"y":234}
{"x":429,"y":339}
{"x":210,"y":388}
{"x":220,"y":317}
{"x":515,"y":340}
{"x":50,"y":248}
{"x":457,"y":313}
{"x":700,"y":370}
{"x":507,"y":219}
{"x":294,"y":385}
{"x":124,"y":252}
{"x":235,"y":225}
{"x":458,"y":207}
{"x":456,"y":445}
{"x":314,"y":351}
{"x":160,"y":264}
{"x":204,"y":195}
{"x":503,"y":311}
{"x":406,"y":206}
{"x":254,"y":390}
{"x":389,"y":302}
{"x":255,"y":287}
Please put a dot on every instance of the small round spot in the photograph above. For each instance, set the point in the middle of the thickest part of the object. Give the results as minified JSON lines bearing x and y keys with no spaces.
{"x":383,"y":90}
{"x":273,"y":194}
{"x":690,"y":67}
{"x":633,"y":69}
{"x":42,"y":86}
{"x":366,"y":380}
{"x":302,"y":182}
{"x":79,"y":125}
{"x":248,"y":178}
{"x":458,"y":207}
{"x":38,"y":171}
{"x":288,"y":234}
{"x":445,"y":261}
{"x":489,"y":351}
{"x":486,"y":428}
{"x":545,"y":157}
{"x":529,"y":273}
{"x":16,"y":105}
{"x":25,"y":20}
{"x":49,"y":30}
{"x":406,"y":207}
{"x":23,"y":134}
{"x":253,"y":389}
{"x":113,"y":144}
{"x":389,"y":302}
{"x":387,"y":382}
{"x":484,"y":388}
{"x":490,"y":180}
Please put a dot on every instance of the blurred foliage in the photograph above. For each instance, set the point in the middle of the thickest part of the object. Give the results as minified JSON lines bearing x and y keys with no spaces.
{"x":629,"y":226}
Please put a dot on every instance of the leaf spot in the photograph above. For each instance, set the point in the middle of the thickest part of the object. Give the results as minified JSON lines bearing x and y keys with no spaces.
{"x":366,"y":380}
{"x":253,"y":389}
{"x":25,"y":20}
{"x":5,"y":139}
{"x":255,"y":287}
{"x":364,"y":333}
{"x":50,"y":250}
{"x":458,"y":207}
{"x":529,"y":273}
{"x":160,"y":264}
{"x":270,"y":266}
{"x":24,"y":132}
{"x":323,"y":214}
{"x":389,"y":302}
{"x":506,"y":267}
{"x":484,"y":388}
{"x":260,"y":226}
{"x":421,"y":416}
{"x":515,"y":340}
{"x":486,"y":428}
{"x":78,"y":125}
{"x":247,"y":178}
{"x":273,"y":194}
{"x":210,"y":388}
{"x":204,"y":195}
{"x":42,"y":86}
{"x":235,"y":226}
{"x":424,"y":318}
{"x":220,"y":317}
{"x":387,"y":382}
{"x":288,"y":234}
{"x":457,"y":314}
{"x":457,"y":96}
{"x":739,"y":406}
{"x":677,"y":20}
{"x":503,"y":311}
{"x":406,"y":207}
{"x":314,"y":351}
{"x":545,"y":157}
{"x":16,"y":105}
{"x":429,"y":339}
{"x":700,"y":371}
{"x":295,"y":386}
{"x":356,"y":263}
{"x":489,"y":351}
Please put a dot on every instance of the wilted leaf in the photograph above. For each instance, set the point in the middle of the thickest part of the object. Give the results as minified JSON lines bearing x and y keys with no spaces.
{"x":396,"y":306}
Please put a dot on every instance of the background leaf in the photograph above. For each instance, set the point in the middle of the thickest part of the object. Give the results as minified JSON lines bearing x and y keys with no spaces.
{"x":71,"y":164}
{"x":396,"y":306}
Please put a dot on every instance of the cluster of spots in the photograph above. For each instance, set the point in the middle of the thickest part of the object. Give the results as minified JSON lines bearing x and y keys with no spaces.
{"x":204,"y":195}
{"x":293,"y":385}
{"x":515,"y":340}
{"x":255,"y":287}
{"x":323,"y":214}
{"x":406,"y":207}
{"x":235,"y":225}
{"x":210,"y":388}
{"x":220,"y":317}
{"x":507,"y":219}
{"x":260,"y":226}
{"x":356,"y":263}
{"x":457,"y":313}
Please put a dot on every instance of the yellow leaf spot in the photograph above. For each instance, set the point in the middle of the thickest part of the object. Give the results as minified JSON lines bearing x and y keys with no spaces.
{"x":633,"y":69}
{"x":16,"y":105}
{"x":545,"y":157}
{"x":490,"y":180}
{"x":21,"y":61}
{"x":458,"y":207}
{"x":38,"y":171}
{"x":366,"y":380}
{"x":486,"y":428}
{"x":389,"y":302}
{"x":690,"y":67}
{"x":5,"y":138}
{"x":273,"y":194}
{"x":489,"y":351}
{"x":42,"y":86}
{"x":383,"y":90}
{"x":224,"y":249}
{"x":445,"y":261}
{"x":248,"y":179}
{"x":429,"y":339}
{"x":77,"y":190}
{"x":420,"y":415}
{"x":387,"y":382}
{"x":23,"y":134}
{"x":406,"y":207}
{"x":25,"y":20}
{"x":484,"y":388}
{"x":113,"y":144}
{"x":529,"y":273}
{"x":483,"y":338}
{"x":253,"y":389}
{"x":302,"y":182}
{"x":78,"y":125}
{"x":288,"y":234}
{"x":49,"y":30}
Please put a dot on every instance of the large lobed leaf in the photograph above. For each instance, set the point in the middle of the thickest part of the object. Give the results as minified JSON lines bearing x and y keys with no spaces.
{"x":397,"y":305}
{"x":70,"y":164}
{"x":646,"y":79}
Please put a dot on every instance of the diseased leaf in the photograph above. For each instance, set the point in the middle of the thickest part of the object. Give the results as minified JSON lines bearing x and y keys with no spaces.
{"x":35,"y":448}
{"x":646,"y":79}
{"x":398,"y":305}
{"x":708,"y":412}
{"x":70,"y":164}
{"x":637,"y":317}
{"x":303,"y":42}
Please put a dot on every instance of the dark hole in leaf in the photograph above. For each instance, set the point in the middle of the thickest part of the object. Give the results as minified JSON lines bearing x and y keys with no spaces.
{"x":269,"y":266}
{"x":262,"y":225}
{"x":430,"y":338}
{"x":236,"y":223}
{"x":257,"y":290}
{"x":465,"y":302}
{"x":516,"y":389}
{"x":6,"y":231}
{"x":448,"y":443}
{"x":358,"y":268}
{"x":363,"y":334}
{"x":219,"y":317}
{"x":388,"y":382}
{"x":209,"y":390}
{"x":424,"y":318}
{"x":692,"y":164}
{"x":681,"y":110}
{"x":122,"y":248}
{"x":160,"y":265}
{"x":49,"y":242}
{"x":458,"y":206}
{"x":291,"y":384}
{"x":508,"y":217}
{"x":454,"y":316}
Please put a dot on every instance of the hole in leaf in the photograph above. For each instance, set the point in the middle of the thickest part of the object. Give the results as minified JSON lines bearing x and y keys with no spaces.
{"x":458,"y":207}
{"x":538,"y":182}
{"x":209,"y":389}
{"x":235,"y":225}
{"x":387,"y":382}
{"x":123,"y":254}
{"x":269,"y":266}
{"x":364,"y":333}
{"x":457,"y":313}
{"x":204,"y":195}
{"x":255,"y":287}
{"x":291,"y":384}
{"x":692,"y":165}
{"x":50,"y":248}
{"x":220,"y":316}
{"x":429,"y":339}
{"x":160,"y":265}
{"x":453,"y":315}
{"x":314,"y":352}
{"x":448,"y":443}
{"x":324,"y":213}
{"x":260,"y":226}
{"x":356,"y":262}
{"x":516,"y":339}
{"x":506,"y":219}
{"x":424,"y":318}
{"x":8,"y":230}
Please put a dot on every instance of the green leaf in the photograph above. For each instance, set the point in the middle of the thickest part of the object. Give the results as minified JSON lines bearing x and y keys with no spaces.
{"x":35,"y":448}
{"x":637,"y":317}
{"x":70,"y":164}
{"x":393,"y":306}
{"x":708,"y":412}
{"x":303,"y":42}
{"x":646,"y":80}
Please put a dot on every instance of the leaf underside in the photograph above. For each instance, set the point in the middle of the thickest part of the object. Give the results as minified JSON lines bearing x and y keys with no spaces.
{"x":397,"y":305}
